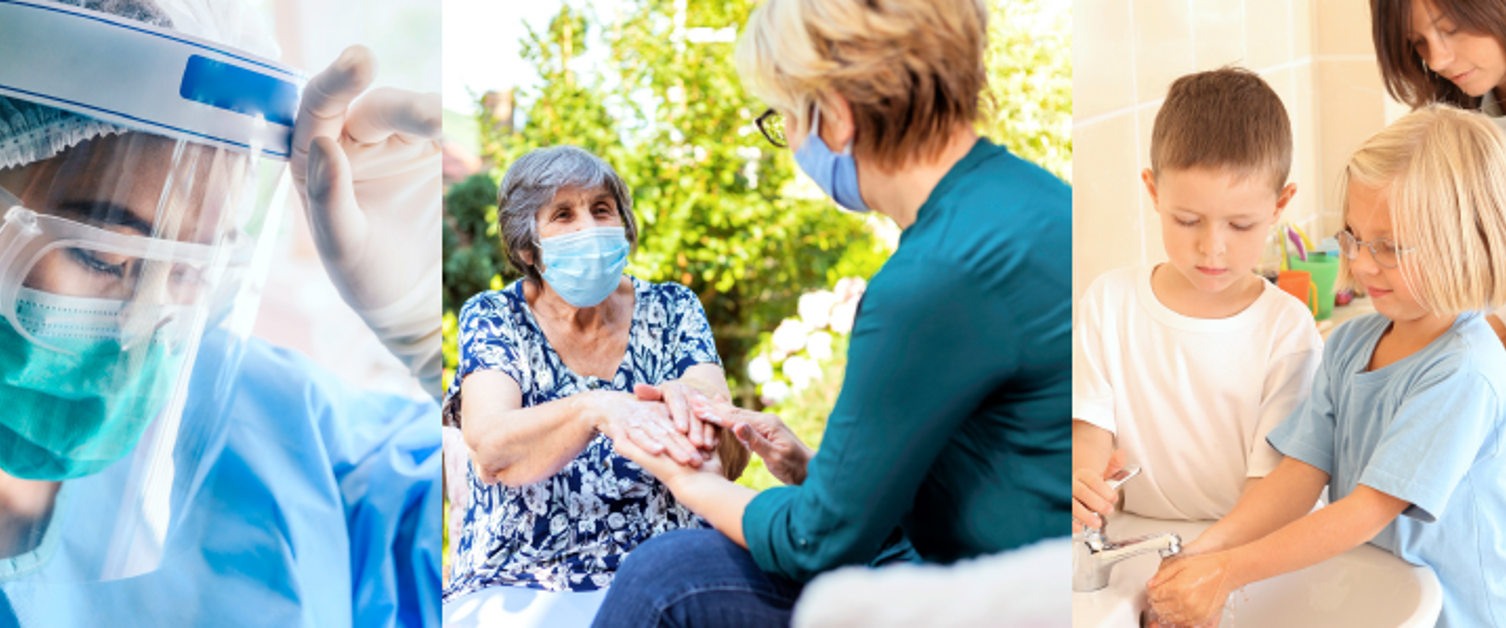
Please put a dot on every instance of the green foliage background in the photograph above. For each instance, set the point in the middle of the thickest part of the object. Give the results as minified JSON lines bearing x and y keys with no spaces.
{"x":715,"y":203}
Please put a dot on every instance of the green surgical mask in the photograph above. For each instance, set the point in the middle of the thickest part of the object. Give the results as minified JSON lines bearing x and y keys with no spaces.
{"x":73,"y":400}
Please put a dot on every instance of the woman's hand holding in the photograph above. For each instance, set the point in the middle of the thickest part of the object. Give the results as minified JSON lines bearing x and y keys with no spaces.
{"x":666,"y":469}
{"x":675,"y":394}
{"x":765,"y":434}
{"x":1191,"y":591}
{"x":621,"y":416}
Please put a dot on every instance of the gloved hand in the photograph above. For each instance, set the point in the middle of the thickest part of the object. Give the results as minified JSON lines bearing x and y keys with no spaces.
{"x":368,"y":171}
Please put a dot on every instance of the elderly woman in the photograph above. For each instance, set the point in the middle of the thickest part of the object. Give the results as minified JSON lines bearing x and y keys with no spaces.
{"x":547,"y":368}
{"x":952,"y":424}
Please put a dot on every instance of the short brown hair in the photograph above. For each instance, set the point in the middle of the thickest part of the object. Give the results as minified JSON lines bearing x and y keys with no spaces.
{"x":1407,"y":78}
{"x":911,"y":69}
{"x":1227,"y":118}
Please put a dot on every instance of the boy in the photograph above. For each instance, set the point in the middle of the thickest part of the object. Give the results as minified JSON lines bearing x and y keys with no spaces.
{"x":1185,"y":366}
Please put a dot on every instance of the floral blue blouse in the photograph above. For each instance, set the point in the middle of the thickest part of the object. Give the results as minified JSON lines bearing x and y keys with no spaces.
{"x":570,"y":532}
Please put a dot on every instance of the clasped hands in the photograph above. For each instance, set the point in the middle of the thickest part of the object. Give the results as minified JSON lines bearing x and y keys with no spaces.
{"x":671,"y":431}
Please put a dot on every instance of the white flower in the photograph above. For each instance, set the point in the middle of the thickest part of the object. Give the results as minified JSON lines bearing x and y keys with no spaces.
{"x":535,"y":498}
{"x":760,"y":370}
{"x":790,"y":335}
{"x":842,"y":317}
{"x":819,"y":346}
{"x":656,"y":314}
{"x":775,"y":392}
{"x":615,"y":521}
{"x":801,"y":371}
{"x":815,"y":308}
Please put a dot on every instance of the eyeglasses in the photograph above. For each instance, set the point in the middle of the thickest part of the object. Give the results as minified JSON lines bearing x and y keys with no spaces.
{"x":771,"y":124}
{"x":1383,"y":250}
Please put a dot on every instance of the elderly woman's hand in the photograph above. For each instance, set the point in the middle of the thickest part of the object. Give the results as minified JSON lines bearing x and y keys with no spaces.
{"x":765,"y":434}
{"x":666,"y":469}
{"x":622,"y":416}
{"x":676,"y":396}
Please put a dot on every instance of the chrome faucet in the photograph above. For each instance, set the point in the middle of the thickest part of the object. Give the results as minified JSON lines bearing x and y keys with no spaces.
{"x":1094,"y":556}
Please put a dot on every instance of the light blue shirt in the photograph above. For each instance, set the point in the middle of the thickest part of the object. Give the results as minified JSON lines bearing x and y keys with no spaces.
{"x":1428,"y":429}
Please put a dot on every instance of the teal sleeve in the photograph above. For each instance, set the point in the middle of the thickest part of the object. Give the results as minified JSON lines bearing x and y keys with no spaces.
{"x":927,"y":348}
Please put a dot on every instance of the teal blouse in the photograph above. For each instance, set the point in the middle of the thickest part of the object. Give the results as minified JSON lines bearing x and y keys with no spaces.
{"x":954,"y":418}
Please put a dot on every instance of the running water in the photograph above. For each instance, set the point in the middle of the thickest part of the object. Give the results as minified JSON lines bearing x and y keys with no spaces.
{"x":1231,"y":608}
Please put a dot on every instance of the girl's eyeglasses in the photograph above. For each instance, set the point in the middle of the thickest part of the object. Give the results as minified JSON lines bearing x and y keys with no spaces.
{"x":1383,"y":250}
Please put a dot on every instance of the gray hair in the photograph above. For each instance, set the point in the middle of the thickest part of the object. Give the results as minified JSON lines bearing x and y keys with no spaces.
{"x":531,"y":183}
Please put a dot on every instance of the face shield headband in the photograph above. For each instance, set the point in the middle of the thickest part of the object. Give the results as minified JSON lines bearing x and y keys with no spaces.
{"x":146,"y":78}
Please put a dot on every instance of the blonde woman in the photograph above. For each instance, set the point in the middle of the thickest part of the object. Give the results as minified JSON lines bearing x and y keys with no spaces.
{"x":1407,"y":410}
{"x":952,"y":426}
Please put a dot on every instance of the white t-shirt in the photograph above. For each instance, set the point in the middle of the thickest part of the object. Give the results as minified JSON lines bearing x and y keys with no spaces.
{"x":1190,"y":399}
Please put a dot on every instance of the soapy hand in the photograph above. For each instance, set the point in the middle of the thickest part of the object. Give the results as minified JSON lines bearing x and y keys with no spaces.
{"x":1092,"y":499}
{"x":1192,"y":591}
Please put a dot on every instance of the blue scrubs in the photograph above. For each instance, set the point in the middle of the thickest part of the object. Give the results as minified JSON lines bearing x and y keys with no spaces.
{"x":322,"y":508}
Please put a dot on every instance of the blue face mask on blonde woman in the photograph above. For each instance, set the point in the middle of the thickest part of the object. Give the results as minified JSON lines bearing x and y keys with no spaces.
{"x":881,"y":99}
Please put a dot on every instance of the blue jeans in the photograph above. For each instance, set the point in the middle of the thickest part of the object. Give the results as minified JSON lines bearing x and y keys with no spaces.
{"x":695,"y":578}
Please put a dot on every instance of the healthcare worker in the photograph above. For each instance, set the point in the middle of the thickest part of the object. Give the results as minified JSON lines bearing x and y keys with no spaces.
{"x":157,"y":465}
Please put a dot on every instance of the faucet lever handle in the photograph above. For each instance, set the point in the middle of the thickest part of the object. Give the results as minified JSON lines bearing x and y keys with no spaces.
{"x":1124,"y":475}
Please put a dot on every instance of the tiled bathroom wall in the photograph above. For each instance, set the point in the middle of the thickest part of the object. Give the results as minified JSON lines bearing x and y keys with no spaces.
{"x":1316,"y":54}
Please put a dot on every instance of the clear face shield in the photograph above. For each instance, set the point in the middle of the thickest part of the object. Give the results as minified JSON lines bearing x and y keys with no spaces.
{"x":141,"y":170}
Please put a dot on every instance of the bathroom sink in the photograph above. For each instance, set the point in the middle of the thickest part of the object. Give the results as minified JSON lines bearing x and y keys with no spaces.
{"x":1365,"y":587}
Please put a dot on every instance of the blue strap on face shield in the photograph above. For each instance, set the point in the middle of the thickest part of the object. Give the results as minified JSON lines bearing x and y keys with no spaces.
{"x":147,"y":78}
{"x":234,"y":88}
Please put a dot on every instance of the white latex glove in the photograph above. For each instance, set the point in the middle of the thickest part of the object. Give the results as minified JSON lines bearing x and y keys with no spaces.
{"x":368,"y":171}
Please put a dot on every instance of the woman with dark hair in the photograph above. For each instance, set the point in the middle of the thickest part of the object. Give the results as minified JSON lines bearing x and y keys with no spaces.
{"x":1450,"y":51}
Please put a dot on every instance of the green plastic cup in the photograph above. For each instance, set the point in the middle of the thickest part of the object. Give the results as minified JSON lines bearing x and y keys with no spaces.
{"x":1325,"y":272}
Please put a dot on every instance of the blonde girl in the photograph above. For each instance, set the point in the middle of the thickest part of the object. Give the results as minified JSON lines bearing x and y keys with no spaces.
{"x":1407,"y":416}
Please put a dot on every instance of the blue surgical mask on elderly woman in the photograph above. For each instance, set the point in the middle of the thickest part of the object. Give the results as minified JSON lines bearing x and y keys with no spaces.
{"x":586,"y":266}
{"x":837,"y":174}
